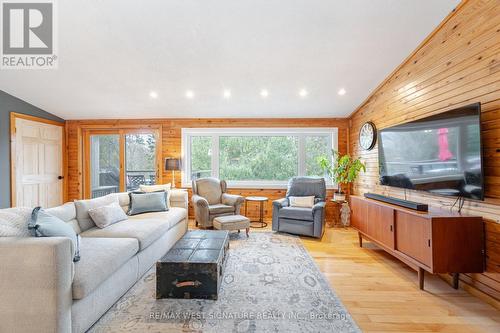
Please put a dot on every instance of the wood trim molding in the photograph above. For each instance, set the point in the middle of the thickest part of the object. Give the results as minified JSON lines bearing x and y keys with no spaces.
{"x":13,"y":117}
{"x":86,"y":132}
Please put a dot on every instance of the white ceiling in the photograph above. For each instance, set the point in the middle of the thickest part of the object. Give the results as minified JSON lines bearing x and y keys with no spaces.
{"x":113,"y":53}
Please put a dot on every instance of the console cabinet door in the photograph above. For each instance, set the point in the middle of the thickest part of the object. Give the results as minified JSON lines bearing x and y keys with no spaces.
{"x":380,"y":222}
{"x":358,"y":216}
{"x":413,"y":237}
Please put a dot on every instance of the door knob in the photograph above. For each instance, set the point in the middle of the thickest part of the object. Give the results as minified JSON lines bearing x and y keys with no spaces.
{"x":60,"y":177}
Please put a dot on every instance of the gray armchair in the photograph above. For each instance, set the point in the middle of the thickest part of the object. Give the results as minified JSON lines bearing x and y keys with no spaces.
{"x":299,"y":220}
{"x":211,"y":200}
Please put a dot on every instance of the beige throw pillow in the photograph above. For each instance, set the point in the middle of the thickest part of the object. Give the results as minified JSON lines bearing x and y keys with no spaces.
{"x":106,"y":215}
{"x":304,"y":202}
{"x":83,"y":207}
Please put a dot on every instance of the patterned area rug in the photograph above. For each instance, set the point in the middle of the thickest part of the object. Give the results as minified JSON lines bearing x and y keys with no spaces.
{"x":270,"y":284}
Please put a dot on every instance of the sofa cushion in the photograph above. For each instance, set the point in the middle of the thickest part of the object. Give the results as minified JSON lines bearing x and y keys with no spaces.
{"x":67,"y":213}
{"x":146,"y":231}
{"x":14,"y":222}
{"x":174,"y":215}
{"x":101,"y":257}
{"x":179,"y":198}
{"x":220,"y":209}
{"x":83,"y":206}
{"x":123,"y":200}
{"x":155,"y":188}
{"x":296,"y":213}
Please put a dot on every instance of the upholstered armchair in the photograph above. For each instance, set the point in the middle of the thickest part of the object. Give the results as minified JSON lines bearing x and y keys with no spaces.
{"x":301,"y":220}
{"x":211,"y":200}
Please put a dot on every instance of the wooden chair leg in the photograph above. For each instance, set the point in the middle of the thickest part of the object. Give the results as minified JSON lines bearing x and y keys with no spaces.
{"x":248,"y":230}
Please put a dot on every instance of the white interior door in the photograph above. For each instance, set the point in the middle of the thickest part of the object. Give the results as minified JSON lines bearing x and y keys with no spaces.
{"x":38,"y":164}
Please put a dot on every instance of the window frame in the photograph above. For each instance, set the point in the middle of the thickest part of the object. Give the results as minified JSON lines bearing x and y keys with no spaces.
{"x":87,"y":133}
{"x":216,"y":133}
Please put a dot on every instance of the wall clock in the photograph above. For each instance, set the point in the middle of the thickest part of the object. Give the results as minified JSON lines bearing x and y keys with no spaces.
{"x":367,"y":136}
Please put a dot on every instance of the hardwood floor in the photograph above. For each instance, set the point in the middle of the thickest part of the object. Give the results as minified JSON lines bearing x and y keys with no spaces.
{"x":382,"y":294}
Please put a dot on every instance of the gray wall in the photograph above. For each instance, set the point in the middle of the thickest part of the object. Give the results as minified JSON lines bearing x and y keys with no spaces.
{"x":8,"y":104}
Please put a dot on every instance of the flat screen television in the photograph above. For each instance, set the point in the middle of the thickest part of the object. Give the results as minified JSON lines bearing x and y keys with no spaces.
{"x":441,"y":154}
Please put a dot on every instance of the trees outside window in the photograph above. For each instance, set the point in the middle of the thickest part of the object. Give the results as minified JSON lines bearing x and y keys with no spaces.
{"x":255,"y":157}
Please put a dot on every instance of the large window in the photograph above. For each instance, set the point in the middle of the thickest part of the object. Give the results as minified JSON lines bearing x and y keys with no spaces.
{"x":255,"y":156}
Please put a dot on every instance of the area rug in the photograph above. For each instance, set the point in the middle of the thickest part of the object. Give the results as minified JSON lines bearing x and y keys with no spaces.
{"x":270,"y":284}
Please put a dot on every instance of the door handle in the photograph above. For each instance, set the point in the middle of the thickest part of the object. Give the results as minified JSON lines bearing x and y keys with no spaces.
{"x":60,"y":177}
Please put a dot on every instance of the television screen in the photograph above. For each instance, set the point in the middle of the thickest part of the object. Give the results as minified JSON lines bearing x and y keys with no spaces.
{"x":440,"y":154}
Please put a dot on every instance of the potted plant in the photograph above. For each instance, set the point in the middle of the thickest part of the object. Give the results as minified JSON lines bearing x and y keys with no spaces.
{"x":343,"y":171}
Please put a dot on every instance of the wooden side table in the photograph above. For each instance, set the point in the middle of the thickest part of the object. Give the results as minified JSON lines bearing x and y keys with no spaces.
{"x":261,"y":201}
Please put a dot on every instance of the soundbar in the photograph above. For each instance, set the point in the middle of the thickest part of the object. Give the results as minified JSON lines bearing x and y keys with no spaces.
{"x":399,"y":202}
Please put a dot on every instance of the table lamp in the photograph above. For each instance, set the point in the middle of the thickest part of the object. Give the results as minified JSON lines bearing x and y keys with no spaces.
{"x":172,"y":164}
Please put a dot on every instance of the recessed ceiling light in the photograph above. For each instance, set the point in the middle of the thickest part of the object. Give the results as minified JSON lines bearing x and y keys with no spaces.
{"x":303,"y":93}
{"x":227,"y":93}
{"x":189,"y":94}
{"x":264,"y":93}
{"x":341,"y":92}
{"x":153,"y":94}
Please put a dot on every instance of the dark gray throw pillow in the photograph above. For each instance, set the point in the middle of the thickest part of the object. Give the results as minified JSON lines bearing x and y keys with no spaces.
{"x":43,"y":224}
{"x":147,"y":202}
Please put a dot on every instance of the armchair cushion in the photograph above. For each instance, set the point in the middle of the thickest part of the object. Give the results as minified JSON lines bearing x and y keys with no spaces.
{"x":220,"y":209}
{"x":296,"y":213}
{"x":307,"y":186}
{"x":210,"y":189}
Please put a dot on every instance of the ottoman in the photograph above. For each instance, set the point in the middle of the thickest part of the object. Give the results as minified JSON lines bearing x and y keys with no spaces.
{"x":232,"y":222}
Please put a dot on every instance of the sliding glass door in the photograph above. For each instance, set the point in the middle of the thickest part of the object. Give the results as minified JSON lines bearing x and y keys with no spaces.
{"x":120,"y":160}
{"x":140,"y":160}
{"x":104,"y":174}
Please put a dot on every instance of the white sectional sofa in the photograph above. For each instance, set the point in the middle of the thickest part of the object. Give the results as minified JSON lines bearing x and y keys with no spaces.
{"x":42,"y":290}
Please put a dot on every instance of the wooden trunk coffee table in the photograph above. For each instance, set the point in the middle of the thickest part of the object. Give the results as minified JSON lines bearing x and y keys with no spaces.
{"x":194,"y":266}
{"x":261,"y":201}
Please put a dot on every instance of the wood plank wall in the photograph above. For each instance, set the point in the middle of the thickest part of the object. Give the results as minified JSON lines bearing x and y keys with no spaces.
{"x":455,"y":66}
{"x":171,"y":147}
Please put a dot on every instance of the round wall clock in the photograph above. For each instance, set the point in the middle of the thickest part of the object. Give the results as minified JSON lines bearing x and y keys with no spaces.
{"x":367,"y":136}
